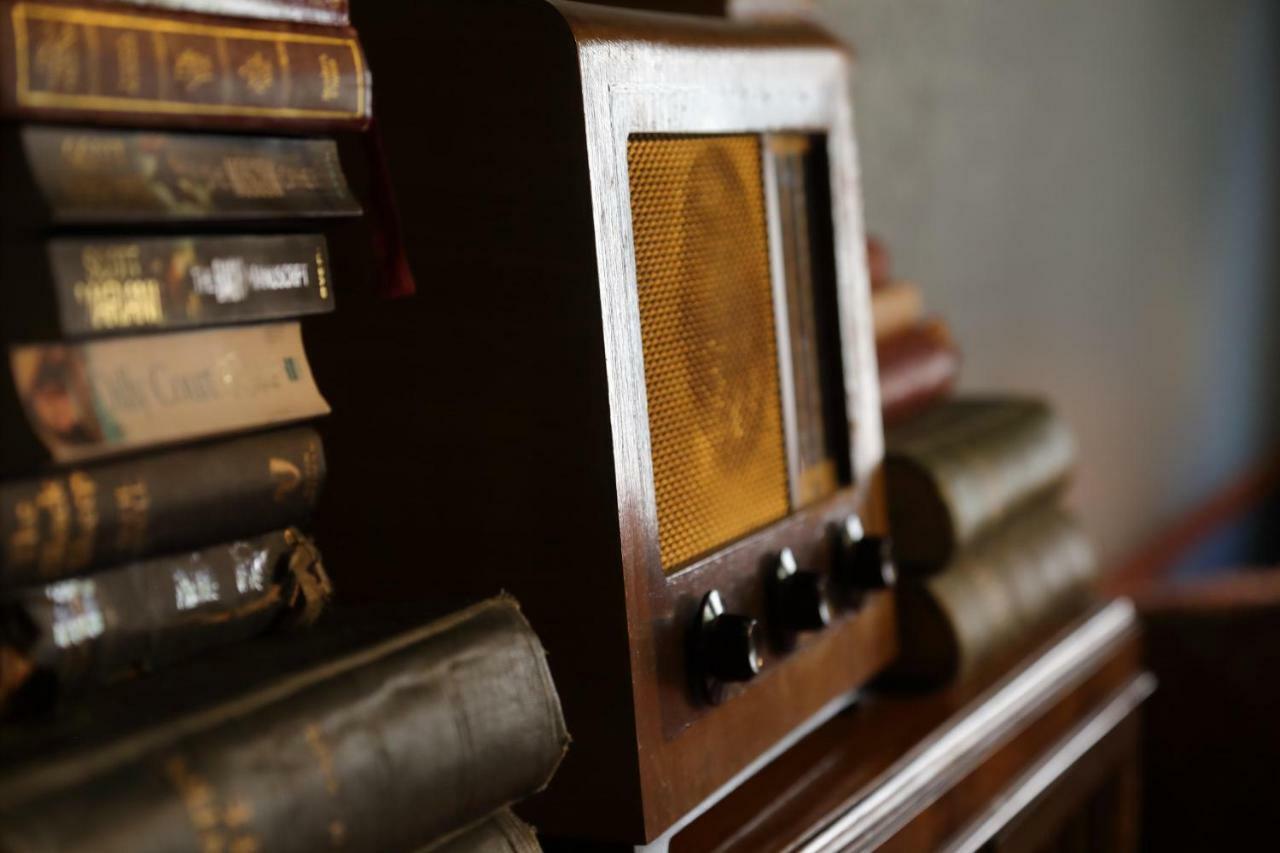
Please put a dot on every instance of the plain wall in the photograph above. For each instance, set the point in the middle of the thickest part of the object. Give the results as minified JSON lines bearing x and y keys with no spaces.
{"x":1087,"y":192}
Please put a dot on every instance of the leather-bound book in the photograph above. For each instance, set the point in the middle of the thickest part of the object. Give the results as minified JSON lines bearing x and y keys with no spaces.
{"x":966,"y":465}
{"x":74,"y":403}
{"x":67,"y":522}
{"x":896,"y":308}
{"x":1020,"y":580}
{"x":93,"y":286}
{"x":153,"y":613}
{"x":332,"y":13}
{"x":503,"y":832}
{"x":918,"y":367}
{"x":71,"y":176}
{"x":386,"y":748}
{"x":88,"y":62}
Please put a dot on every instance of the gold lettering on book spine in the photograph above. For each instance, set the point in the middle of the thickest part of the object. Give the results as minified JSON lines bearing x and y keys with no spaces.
{"x":84,"y":499}
{"x":221,"y":829}
{"x":53,"y":504}
{"x":133,"y":514}
{"x":56,"y":67}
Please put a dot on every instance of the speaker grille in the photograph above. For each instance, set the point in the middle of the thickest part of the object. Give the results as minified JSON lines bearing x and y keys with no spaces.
{"x":707,"y":327}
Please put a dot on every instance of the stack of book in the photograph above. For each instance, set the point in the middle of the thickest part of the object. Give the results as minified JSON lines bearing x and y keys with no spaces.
{"x":417,"y":741}
{"x":919,"y":361}
{"x":989,"y":560}
{"x":169,"y":179}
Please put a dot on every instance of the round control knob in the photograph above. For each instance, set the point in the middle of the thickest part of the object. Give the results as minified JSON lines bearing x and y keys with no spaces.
{"x":725,"y":647}
{"x":798,"y":597}
{"x":865,"y":562}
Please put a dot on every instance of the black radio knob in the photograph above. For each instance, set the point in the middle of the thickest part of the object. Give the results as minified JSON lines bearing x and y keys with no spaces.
{"x":799,"y":598}
{"x":725,"y":646}
{"x":864,"y":562}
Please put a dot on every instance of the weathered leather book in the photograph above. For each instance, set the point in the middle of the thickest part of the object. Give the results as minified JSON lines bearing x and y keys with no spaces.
{"x":152,"y":613}
{"x":75,"y":176}
{"x":964,"y":466}
{"x":896,"y":308}
{"x":94,"y":62}
{"x":71,"y":403}
{"x":1017,"y":582}
{"x":387,"y":748}
{"x":918,"y":367}
{"x":106,"y":285}
{"x":65,"y":523}
{"x":503,"y":832}
{"x":331,"y":13}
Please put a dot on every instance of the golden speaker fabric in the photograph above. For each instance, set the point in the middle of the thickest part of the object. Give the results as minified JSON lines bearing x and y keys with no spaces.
{"x":708,"y":335}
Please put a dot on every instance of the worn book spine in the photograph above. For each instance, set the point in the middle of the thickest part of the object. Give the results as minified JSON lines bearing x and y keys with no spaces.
{"x":160,"y":283}
{"x":329,"y":13}
{"x":122,"y":177}
{"x":152,"y":613}
{"x":965,"y":465}
{"x":503,"y":832}
{"x":1022,"y":579}
{"x":918,"y":367}
{"x":107,"y":397}
{"x":68,"y":522}
{"x":385,"y":749}
{"x":82,"y":62}
{"x":896,"y":308}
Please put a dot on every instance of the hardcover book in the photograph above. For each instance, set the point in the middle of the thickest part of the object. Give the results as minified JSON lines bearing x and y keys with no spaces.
{"x":917,"y":367}
{"x":149,"y":614}
{"x":105,"y":397}
{"x":388,"y":747}
{"x":113,"y":177}
{"x":964,"y":466}
{"x":94,"y":286}
{"x":1025,"y":576}
{"x":896,"y":308}
{"x":501,"y":833}
{"x":81,"y":62}
{"x":67,"y":522}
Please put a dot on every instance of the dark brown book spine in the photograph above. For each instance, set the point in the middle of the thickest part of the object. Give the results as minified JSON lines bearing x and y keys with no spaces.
{"x":84,"y":62}
{"x":161,"y":283}
{"x":154,"y":612}
{"x":119,"y":177}
{"x":386,"y":749}
{"x":63,"y":524}
{"x":917,"y":367}
{"x":329,"y":13}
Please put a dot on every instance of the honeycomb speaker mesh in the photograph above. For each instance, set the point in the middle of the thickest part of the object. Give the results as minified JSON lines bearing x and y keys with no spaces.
{"x":708,"y":335}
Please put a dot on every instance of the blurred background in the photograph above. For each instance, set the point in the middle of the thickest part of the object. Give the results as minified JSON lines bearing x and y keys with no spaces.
{"x":1088,"y":192}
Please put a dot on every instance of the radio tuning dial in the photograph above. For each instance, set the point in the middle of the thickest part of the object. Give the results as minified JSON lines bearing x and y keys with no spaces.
{"x":725,"y":647}
{"x":799,"y":598}
{"x":864,"y":562}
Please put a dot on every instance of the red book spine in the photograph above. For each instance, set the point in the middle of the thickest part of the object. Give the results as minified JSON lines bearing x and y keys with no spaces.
{"x":917,"y":367}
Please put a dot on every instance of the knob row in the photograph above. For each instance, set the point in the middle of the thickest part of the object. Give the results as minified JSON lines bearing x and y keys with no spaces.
{"x":726,"y":646}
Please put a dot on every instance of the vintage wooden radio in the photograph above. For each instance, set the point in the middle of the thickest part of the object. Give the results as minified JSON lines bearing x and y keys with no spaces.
{"x":637,"y":386}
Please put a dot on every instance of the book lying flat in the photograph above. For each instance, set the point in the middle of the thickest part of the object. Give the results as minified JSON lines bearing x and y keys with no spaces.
{"x":70,"y":403}
{"x":389,"y":747}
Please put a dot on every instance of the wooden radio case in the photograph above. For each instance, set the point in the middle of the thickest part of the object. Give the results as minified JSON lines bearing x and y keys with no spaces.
{"x":636,"y":387}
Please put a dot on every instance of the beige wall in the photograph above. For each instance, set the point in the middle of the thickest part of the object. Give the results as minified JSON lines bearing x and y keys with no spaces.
{"x":1086,"y":190}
